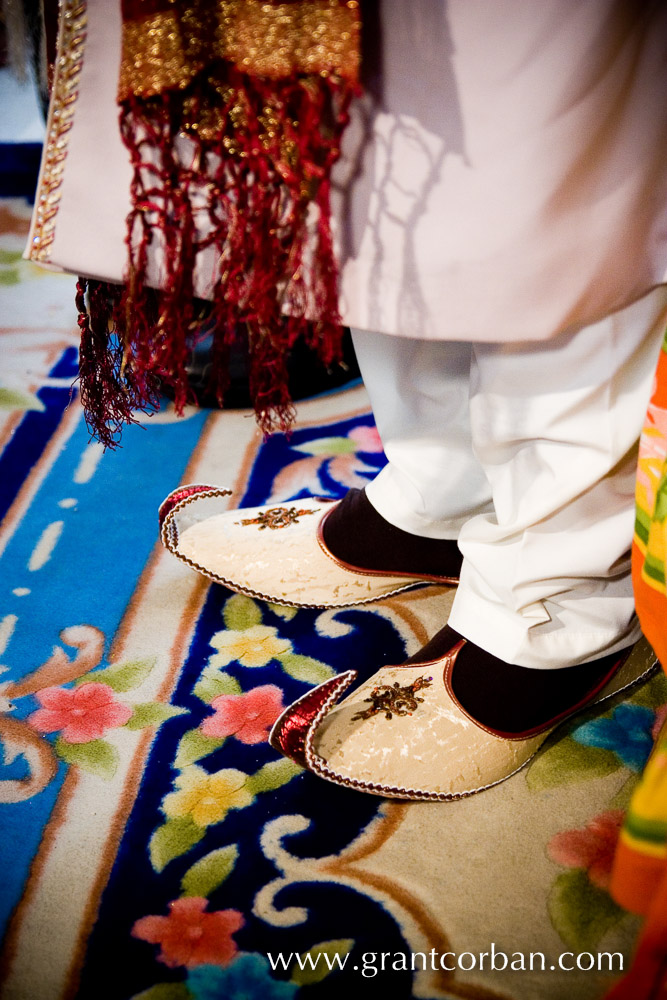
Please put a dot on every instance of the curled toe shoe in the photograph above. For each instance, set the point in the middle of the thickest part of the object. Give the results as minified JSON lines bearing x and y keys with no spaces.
{"x":276,"y":553}
{"x":403,"y":734}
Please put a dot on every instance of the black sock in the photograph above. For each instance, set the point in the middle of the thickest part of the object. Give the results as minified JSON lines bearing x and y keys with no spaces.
{"x":355,"y":533}
{"x":509,"y":698}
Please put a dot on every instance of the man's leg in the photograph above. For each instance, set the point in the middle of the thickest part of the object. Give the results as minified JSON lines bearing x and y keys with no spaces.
{"x":545,"y":581}
{"x":408,"y":518}
{"x":543,"y":622}
{"x":546,"y":577}
{"x":419,"y":391}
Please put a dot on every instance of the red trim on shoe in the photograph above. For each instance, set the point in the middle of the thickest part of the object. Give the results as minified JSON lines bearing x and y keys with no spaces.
{"x":290,"y":731}
{"x":447,"y":581}
{"x":182,"y":493}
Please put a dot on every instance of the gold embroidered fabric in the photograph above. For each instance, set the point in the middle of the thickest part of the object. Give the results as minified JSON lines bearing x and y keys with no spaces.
{"x":166,"y":49}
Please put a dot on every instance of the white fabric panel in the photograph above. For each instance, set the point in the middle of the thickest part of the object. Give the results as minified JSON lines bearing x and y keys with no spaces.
{"x":95,"y":192}
{"x":505,"y":176}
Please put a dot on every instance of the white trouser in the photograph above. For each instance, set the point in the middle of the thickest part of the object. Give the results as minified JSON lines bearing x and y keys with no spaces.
{"x":526,"y":453}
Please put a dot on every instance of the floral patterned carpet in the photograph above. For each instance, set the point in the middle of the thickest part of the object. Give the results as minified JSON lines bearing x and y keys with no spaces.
{"x":153,"y":845}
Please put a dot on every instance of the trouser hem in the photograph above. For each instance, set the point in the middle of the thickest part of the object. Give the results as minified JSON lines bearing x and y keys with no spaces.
{"x":509,"y":638}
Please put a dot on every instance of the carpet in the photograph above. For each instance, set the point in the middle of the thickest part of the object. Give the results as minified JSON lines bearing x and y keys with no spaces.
{"x":153,"y":845}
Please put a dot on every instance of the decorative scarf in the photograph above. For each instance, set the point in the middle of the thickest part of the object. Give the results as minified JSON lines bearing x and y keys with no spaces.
{"x":233,"y":112}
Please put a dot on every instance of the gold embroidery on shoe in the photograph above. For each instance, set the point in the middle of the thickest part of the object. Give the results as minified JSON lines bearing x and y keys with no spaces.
{"x":392,"y":698}
{"x":277,"y":517}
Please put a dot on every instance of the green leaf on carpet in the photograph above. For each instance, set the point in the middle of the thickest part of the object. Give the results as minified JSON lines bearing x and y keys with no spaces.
{"x":580,"y":912}
{"x":209,"y":872}
{"x":121,"y":676}
{"x":567,"y":761}
{"x":10,"y":256}
{"x":212,"y":685}
{"x":172,"y":839}
{"x":98,"y":757}
{"x":152,"y":713}
{"x":241,"y":612}
{"x":653,"y":694}
{"x":16,"y":399}
{"x":309,"y":969}
{"x":328,"y":446}
{"x":165,"y":991}
{"x":273,"y":775}
{"x":287,"y":613}
{"x":194,"y":745}
{"x":306,"y":669}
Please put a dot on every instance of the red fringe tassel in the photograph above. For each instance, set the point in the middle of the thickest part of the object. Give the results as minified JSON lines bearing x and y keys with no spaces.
{"x":254,"y":185}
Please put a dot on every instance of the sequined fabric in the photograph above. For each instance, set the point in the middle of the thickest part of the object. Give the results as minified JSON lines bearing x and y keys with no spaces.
{"x":290,"y":731}
{"x":165,"y":48}
{"x":175,"y":498}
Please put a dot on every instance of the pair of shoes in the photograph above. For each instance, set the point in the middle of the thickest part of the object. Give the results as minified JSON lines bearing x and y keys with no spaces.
{"x":276,"y":553}
{"x":404,"y":733}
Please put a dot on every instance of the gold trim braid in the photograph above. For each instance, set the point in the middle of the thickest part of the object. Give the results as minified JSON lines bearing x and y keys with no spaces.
{"x":71,"y":42}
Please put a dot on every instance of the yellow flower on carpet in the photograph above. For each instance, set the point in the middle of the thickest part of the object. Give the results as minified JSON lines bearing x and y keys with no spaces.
{"x":207,"y":798}
{"x":252,"y":647}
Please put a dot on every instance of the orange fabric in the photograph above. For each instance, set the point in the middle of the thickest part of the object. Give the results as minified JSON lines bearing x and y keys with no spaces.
{"x":651,"y":607}
{"x":639,"y":877}
{"x":635,"y":878}
{"x":647,"y":978}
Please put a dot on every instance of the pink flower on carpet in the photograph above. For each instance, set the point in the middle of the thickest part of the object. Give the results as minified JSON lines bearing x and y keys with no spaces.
{"x":80,"y":714}
{"x":247,"y":716}
{"x":367,"y":438}
{"x":591,"y":848}
{"x":660,"y":719}
{"x":189,"y":936}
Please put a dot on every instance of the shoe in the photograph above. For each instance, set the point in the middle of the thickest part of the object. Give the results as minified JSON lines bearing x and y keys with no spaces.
{"x":275,"y":553}
{"x":403,"y":734}
{"x":307,"y":376}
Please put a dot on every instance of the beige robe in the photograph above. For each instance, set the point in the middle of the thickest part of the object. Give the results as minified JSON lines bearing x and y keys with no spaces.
{"x":505,"y":176}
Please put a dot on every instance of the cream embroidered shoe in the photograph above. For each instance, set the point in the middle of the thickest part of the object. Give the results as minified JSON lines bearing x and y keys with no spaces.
{"x":276,"y":553}
{"x":403,"y":734}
